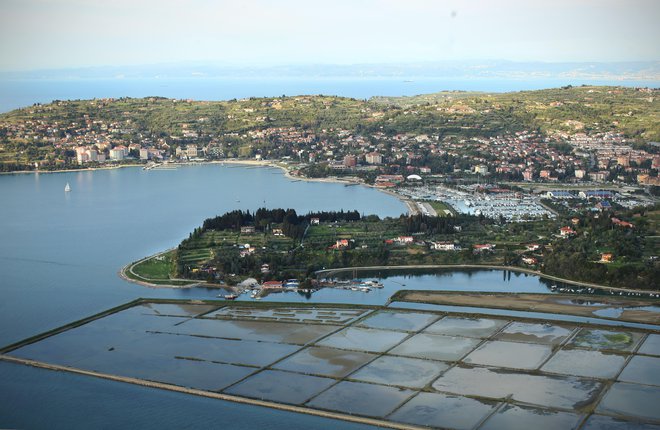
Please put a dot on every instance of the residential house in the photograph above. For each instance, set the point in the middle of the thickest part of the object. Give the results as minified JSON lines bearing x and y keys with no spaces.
{"x":483,"y":247}
{"x":445,"y":246}
{"x":567,"y":231}
{"x":530,"y":261}
{"x":270,"y":285}
{"x":340,"y":244}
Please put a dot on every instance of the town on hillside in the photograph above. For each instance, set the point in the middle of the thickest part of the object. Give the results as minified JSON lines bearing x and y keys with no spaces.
{"x":582,"y":135}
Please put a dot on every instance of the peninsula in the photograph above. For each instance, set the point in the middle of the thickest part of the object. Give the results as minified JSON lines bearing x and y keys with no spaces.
{"x":279,"y":249}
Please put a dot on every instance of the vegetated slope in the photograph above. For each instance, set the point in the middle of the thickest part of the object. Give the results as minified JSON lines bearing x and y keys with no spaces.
{"x":634,"y":112}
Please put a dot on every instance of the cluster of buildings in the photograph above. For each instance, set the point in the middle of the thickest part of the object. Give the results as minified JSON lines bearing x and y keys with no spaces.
{"x":524,"y":155}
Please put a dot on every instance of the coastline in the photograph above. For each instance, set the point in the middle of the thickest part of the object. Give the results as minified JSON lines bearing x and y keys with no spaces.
{"x":412,"y":208}
{"x":86,"y":169}
{"x":145,"y":282}
{"x":193,"y":284}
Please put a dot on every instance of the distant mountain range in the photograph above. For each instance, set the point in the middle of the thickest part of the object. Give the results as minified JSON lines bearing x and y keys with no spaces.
{"x":645,"y":71}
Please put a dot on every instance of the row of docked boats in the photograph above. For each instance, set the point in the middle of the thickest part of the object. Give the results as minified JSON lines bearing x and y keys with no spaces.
{"x":294,"y":285}
{"x":351,"y":284}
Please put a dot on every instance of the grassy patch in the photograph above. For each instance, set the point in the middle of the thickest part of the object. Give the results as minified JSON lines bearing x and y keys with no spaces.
{"x":441,"y":208}
{"x":155,"y":268}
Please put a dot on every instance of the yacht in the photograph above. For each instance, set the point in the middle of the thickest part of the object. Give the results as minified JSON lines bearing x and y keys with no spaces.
{"x":67,"y":187}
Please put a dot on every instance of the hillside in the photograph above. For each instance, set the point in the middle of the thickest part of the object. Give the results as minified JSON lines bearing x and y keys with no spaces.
{"x":634,"y":112}
{"x":285,"y":126}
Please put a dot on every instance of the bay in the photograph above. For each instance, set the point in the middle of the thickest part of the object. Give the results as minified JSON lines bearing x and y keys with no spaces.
{"x":59,"y":257}
{"x":60,"y":252}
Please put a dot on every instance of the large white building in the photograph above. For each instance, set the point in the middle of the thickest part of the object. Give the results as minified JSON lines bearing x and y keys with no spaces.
{"x":373,"y":158}
{"x":117,"y":154}
{"x":191,"y":151}
{"x":85,"y":155}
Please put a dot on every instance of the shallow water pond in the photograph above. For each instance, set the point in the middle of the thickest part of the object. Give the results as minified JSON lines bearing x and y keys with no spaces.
{"x":468,"y":327}
{"x":606,"y":339}
{"x":135,"y":319}
{"x":509,"y":354}
{"x":579,"y":362}
{"x":282,"y":387}
{"x":312,"y":315}
{"x":361,"y":399}
{"x":406,"y":321}
{"x":512,"y":417}
{"x":443,"y":410}
{"x":363,"y":339}
{"x":436,"y":347}
{"x":564,"y":392}
{"x":251,"y":353}
{"x":549,"y":334}
{"x":642,"y":370}
{"x":401,"y":371}
{"x":602,"y":422}
{"x":175,"y":309}
{"x":651,"y":345}
{"x":201,"y":375}
{"x":267,"y":331}
{"x":70,"y":347}
{"x":325,"y":361}
{"x":631,"y":400}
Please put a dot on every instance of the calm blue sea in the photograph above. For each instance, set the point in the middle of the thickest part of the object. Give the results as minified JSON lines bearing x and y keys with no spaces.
{"x":19,"y":93}
{"x":59,"y":257}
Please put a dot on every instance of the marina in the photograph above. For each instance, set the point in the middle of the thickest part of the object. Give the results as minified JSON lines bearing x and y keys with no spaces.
{"x":509,"y":205}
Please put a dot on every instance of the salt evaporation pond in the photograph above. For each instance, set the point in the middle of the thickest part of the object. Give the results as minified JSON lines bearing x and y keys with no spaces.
{"x":433,"y":369}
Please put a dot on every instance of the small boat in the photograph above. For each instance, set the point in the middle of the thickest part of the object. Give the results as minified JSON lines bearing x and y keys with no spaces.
{"x":230,"y":296}
{"x":67,"y":188}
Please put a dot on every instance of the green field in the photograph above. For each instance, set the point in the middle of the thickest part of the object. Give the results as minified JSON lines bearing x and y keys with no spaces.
{"x":155,"y":270}
{"x":441,"y":207}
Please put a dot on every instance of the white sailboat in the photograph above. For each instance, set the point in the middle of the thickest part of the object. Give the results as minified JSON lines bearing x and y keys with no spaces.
{"x":67,"y":187}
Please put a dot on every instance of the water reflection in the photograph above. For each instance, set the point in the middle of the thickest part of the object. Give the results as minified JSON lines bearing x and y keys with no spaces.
{"x":444,"y":411}
{"x":361,"y":399}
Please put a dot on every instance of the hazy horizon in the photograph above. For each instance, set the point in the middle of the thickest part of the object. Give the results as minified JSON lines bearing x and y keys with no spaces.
{"x":502,"y":69}
{"x":58,"y":34}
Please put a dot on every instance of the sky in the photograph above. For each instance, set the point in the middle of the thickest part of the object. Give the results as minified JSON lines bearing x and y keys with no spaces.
{"x":53,"y":34}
